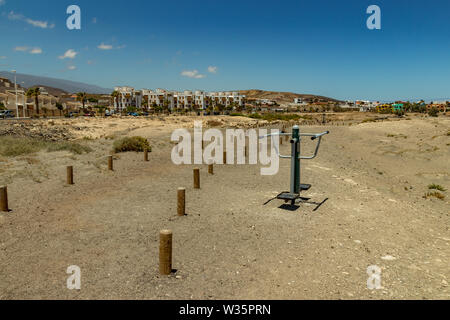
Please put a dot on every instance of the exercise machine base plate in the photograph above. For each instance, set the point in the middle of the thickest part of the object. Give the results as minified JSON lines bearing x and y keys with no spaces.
{"x":288,"y":196}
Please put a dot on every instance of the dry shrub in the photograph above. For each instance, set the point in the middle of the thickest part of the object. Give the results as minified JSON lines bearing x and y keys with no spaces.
{"x":435,"y":194}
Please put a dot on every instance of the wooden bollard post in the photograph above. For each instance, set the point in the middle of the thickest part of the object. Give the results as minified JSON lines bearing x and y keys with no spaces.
{"x":4,"y":199}
{"x":181,"y":204}
{"x":281,"y":141}
{"x":145,"y":155}
{"x":69,"y":175}
{"x":224,"y":157}
{"x":110,"y":163}
{"x":165,"y":252}
{"x":196,"y":178}
{"x":211,"y":168}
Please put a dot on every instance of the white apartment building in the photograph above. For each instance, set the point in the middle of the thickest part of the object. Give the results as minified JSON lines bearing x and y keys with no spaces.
{"x":174,"y":100}
{"x":127,"y":97}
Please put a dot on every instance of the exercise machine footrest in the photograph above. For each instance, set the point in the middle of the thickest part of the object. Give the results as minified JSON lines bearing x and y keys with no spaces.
{"x":305,"y":187}
{"x":288,"y":196}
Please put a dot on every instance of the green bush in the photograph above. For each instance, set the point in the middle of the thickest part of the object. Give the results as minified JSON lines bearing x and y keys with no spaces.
{"x":138,"y":144}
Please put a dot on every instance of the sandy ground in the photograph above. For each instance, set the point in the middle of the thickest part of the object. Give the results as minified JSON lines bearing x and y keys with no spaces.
{"x":231,"y":245}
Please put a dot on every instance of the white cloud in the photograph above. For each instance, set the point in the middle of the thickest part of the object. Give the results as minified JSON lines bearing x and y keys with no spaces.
{"x":94,"y":20}
{"x":36,"y":51}
{"x":34,"y":23}
{"x":40,"y":24}
{"x":212,"y":69}
{"x":103,"y":46}
{"x":71,"y":67}
{"x":69,"y":54}
{"x":192,"y":74}
{"x":15,"y":16}
{"x":22,"y":49}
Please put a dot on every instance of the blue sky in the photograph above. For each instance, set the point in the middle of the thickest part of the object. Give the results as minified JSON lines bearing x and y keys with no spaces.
{"x":320,"y":47}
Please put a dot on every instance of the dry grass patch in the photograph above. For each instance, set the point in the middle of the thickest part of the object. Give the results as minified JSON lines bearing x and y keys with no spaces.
{"x":19,"y":146}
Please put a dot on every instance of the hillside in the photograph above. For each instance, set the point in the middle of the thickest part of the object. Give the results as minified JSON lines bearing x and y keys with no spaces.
{"x":52,"y":91}
{"x":280,"y":97}
{"x":64,"y":85}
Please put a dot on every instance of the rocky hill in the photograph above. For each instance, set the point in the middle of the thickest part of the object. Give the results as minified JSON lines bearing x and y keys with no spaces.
{"x":281,"y":97}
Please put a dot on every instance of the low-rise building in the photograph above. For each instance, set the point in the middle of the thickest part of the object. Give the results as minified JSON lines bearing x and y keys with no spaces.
{"x":440,"y":107}
{"x":175,"y":100}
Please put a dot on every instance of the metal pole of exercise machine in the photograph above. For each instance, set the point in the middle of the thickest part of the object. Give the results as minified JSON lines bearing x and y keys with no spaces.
{"x":295,"y":160}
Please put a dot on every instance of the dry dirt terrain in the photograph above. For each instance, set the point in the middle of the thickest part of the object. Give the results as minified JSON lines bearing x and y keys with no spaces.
{"x":232,"y":244}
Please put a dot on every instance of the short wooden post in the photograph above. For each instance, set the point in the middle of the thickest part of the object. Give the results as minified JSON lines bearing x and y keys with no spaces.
{"x":69,"y":175}
{"x":196,"y":178}
{"x":165,"y":252}
{"x":281,"y":141}
{"x":145,"y":155}
{"x":181,"y":205}
{"x":224,"y":157}
{"x":4,"y":199}
{"x":246,"y":151}
{"x":110,"y":163}
{"x":211,"y":168}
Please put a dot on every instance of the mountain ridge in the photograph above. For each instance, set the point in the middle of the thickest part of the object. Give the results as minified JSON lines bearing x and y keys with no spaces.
{"x":61,"y":84}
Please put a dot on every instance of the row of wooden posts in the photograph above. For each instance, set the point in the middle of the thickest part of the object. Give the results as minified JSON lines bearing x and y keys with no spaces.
{"x":165,"y":236}
{"x":165,"y":247}
{"x":4,"y":190}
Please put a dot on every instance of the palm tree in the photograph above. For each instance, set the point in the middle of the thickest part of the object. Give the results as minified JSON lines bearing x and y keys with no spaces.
{"x":82,"y":97}
{"x":34,"y":92}
{"x":115,"y":97}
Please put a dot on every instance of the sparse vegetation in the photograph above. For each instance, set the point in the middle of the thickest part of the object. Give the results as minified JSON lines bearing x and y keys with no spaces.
{"x":368,"y":120}
{"x":73,"y":147}
{"x":436,"y":187}
{"x":277,"y":116}
{"x":434,"y":194}
{"x":18,"y":146}
{"x":138,"y":144}
{"x":390,"y":135}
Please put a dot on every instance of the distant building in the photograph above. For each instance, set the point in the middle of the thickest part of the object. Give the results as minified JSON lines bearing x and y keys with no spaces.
{"x":127,"y":97}
{"x":440,"y":107}
{"x":174,"y":100}
{"x":300,"y":101}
